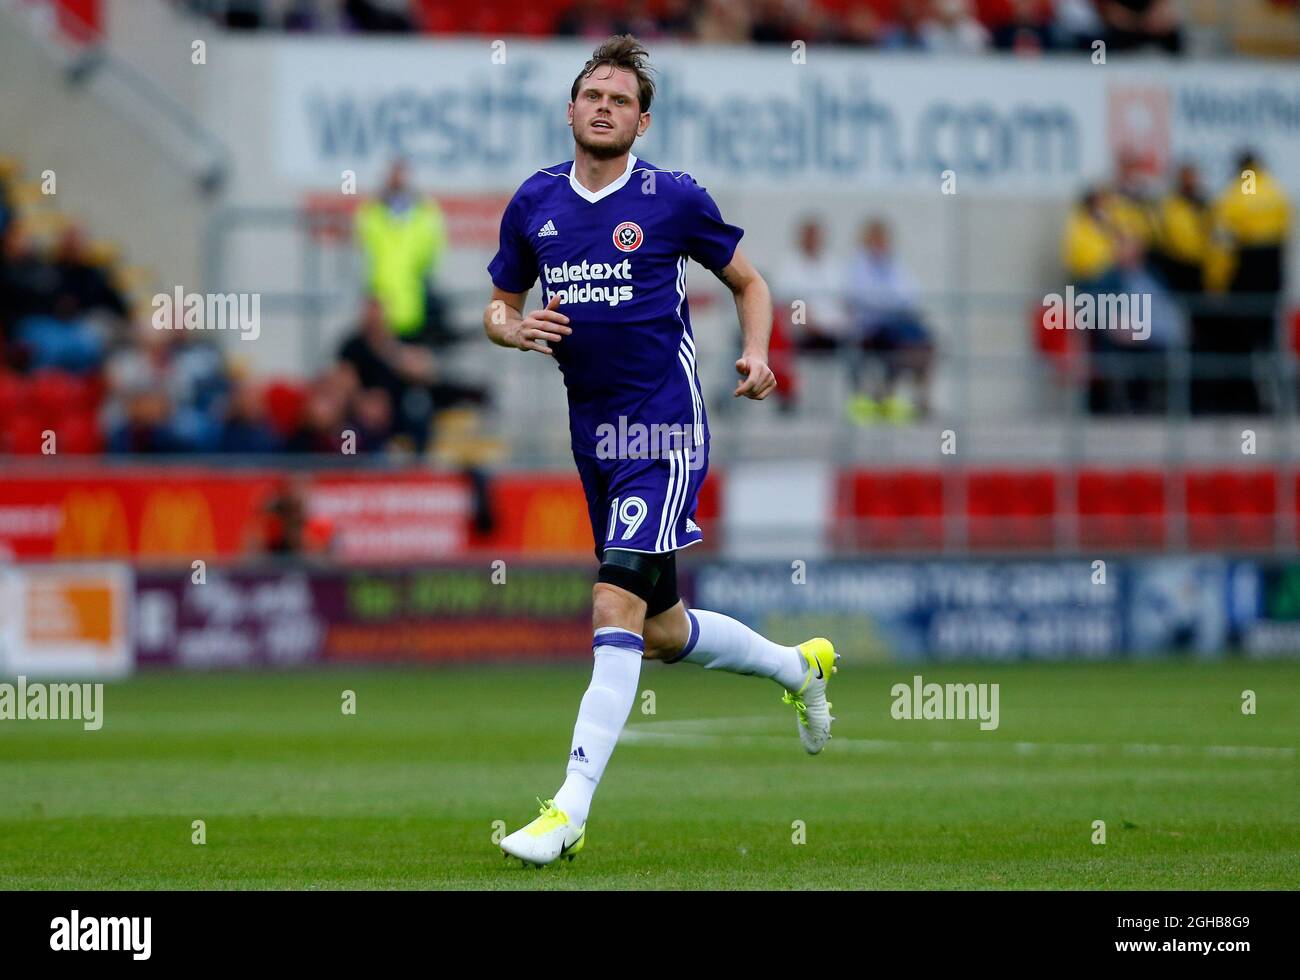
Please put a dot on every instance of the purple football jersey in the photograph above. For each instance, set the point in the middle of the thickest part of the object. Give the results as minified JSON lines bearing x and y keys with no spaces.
{"x":618,"y":256}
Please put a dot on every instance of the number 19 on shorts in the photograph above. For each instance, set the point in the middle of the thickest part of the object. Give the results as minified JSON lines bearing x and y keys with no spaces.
{"x":628,"y":512}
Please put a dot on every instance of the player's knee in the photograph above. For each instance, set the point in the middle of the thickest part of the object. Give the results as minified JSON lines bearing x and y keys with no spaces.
{"x":613,"y":606}
{"x":626,"y":581}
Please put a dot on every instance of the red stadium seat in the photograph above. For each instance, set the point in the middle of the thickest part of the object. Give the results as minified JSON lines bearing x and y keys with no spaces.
{"x":79,"y":434}
{"x":1121,"y":509}
{"x":1008,"y":510}
{"x":13,"y":393}
{"x":1061,"y":347}
{"x":1230,"y":509}
{"x":284,"y":403}
{"x":24,"y":434}
{"x":55,"y":394}
{"x":898,"y":509}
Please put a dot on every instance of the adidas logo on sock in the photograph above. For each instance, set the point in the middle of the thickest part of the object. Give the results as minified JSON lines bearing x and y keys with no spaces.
{"x":578,"y":754}
{"x":547,"y":229}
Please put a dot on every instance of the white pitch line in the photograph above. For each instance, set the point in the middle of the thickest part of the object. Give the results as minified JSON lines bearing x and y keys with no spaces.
{"x":694,"y":737}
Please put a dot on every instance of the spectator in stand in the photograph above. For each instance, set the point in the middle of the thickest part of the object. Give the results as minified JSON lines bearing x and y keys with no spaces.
{"x":327,"y":420}
{"x":675,"y":18}
{"x":882,"y":298}
{"x":61,"y":313}
{"x":812,"y":277}
{"x":952,"y":28}
{"x":166,"y":392}
{"x":1087,"y":244}
{"x":1134,"y":377}
{"x":1077,"y":25}
{"x":1029,"y":29}
{"x":1182,"y":227}
{"x":245,"y":429}
{"x":860,"y":27}
{"x":1132,"y":202}
{"x":638,"y":19}
{"x":587,"y":18}
{"x":372,"y":359}
{"x":84,"y":281}
{"x":63,"y":339}
{"x":1183,"y":254}
{"x":722,"y":22}
{"x":1133,"y":24}
{"x":403,"y":238}
{"x":380,"y":16}
{"x":903,"y":33}
{"x":772,"y":23}
{"x":243,"y":15}
{"x":321,"y":16}
{"x":1251,"y":219}
{"x":28,"y":285}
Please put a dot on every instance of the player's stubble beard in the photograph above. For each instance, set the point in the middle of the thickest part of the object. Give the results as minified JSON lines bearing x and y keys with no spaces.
{"x":604,"y":151}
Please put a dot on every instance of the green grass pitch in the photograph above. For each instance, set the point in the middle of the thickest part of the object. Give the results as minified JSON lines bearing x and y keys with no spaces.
{"x":704,"y":793}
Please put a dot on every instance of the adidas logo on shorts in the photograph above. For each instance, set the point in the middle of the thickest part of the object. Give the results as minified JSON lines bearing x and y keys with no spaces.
{"x":691,"y":526}
{"x":547,"y":229}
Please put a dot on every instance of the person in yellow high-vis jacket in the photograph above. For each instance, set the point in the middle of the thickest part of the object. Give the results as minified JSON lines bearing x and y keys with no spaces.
{"x":1251,"y":225}
{"x":403,"y":238}
{"x":1088,"y":241}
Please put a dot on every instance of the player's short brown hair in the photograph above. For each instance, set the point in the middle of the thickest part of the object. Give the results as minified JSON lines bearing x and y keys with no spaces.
{"x":622,"y":51}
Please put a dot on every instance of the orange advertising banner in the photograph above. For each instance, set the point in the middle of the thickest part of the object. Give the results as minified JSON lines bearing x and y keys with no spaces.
{"x":165,"y":515}
{"x":161,"y":514}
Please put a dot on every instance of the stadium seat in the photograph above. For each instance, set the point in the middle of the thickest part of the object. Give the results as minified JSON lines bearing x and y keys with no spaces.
{"x":13,"y":393}
{"x":1230,"y":509}
{"x":1121,"y":509}
{"x":1010,"y":510}
{"x":53,"y":394}
{"x":24,"y":433}
{"x":79,"y":433}
{"x":1061,"y":347}
{"x":284,"y":403}
{"x":892,"y":510}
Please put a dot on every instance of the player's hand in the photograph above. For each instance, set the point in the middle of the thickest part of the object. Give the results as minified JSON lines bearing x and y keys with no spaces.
{"x":757,"y":379}
{"x":542,"y":327}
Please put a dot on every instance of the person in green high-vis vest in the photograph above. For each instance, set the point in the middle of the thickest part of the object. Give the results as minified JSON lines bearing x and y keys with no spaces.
{"x":403,"y":238}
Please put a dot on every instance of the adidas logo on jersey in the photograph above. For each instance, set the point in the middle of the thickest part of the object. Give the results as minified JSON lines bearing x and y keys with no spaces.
{"x":547,"y":229}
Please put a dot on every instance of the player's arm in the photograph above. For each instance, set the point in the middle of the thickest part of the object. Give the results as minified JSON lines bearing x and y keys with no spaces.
{"x":754,"y":306}
{"x":507,"y":326}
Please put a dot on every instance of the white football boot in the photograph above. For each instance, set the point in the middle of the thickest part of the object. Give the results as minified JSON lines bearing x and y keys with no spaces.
{"x":810,"y":704}
{"x":548,"y":838}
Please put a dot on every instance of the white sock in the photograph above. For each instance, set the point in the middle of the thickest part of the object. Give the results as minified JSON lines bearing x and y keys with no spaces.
{"x":601,"y":715}
{"x":721,"y":643}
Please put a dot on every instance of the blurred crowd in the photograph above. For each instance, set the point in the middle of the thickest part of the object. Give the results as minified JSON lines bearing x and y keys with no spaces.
{"x":1212,"y":265}
{"x":862,"y":309}
{"x":950,"y":26}
{"x":105,"y":365}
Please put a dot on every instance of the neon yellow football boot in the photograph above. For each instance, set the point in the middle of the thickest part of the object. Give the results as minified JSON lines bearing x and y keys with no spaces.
{"x":548,"y":838}
{"x":809,"y":702}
